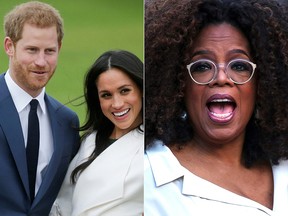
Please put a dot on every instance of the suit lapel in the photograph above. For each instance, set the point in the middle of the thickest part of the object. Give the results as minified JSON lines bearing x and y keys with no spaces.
{"x":11,"y":125}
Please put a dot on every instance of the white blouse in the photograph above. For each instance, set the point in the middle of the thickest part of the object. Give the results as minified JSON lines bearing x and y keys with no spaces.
{"x":170,"y":189}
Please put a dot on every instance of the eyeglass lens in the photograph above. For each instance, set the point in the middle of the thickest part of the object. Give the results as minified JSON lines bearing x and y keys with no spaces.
{"x":204,"y":71}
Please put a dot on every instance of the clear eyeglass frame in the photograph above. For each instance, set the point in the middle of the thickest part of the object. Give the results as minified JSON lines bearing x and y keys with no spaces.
{"x":221,"y":65}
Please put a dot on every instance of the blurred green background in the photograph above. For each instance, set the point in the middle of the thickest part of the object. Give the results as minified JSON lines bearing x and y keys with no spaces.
{"x":91,"y":27}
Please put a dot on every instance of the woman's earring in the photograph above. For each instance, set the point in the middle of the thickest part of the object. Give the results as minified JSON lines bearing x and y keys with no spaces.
{"x":183,"y":116}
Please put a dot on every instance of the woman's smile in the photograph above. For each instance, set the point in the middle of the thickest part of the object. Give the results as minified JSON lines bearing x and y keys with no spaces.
{"x":121,"y":114}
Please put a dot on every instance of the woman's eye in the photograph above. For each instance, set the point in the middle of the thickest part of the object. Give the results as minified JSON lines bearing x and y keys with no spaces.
{"x":105,"y":95}
{"x":241,"y":66}
{"x":125,"y":90}
{"x":201,"y":67}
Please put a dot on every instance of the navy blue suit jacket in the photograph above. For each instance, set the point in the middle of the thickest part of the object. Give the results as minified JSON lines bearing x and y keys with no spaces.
{"x":14,"y":186}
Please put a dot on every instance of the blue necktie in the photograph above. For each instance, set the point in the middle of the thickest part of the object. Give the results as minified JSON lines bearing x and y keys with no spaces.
{"x":32,"y":148}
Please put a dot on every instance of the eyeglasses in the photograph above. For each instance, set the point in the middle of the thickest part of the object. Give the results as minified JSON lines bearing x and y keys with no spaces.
{"x":204,"y":71}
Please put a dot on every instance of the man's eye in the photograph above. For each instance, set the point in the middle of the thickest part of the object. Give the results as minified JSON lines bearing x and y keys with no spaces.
{"x":32,"y":49}
{"x":50,"y":51}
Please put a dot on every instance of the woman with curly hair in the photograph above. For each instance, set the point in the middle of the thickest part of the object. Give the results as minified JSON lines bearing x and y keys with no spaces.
{"x":216,"y":107}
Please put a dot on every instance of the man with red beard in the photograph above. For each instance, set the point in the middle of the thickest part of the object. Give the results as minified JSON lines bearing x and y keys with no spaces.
{"x":34,"y":33}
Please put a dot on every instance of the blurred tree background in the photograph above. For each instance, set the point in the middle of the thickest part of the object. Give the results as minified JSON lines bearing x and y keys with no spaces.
{"x":91,"y":27}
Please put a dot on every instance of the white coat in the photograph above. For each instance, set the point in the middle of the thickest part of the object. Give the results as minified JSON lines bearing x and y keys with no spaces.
{"x":111,"y":185}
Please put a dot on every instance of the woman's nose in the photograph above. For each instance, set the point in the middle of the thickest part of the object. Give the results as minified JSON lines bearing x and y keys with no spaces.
{"x":117,"y":102}
{"x":221,"y":77}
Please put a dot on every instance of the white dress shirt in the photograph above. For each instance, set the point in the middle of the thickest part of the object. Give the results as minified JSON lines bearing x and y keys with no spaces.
{"x":170,"y":189}
{"x":21,"y":100}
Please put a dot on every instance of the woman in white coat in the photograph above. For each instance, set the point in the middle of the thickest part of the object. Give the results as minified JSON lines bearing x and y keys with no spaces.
{"x":106,"y":176}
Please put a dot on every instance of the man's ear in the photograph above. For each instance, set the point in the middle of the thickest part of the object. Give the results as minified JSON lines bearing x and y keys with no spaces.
{"x":59,"y":46}
{"x":9,"y":46}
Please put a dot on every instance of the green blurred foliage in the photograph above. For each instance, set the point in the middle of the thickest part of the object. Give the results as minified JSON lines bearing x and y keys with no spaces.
{"x":91,"y":27}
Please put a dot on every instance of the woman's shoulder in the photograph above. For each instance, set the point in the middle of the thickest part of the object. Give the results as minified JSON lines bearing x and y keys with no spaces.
{"x":88,"y":141}
{"x":88,"y":137}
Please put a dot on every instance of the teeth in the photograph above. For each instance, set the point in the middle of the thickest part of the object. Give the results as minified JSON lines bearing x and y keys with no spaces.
{"x":121,"y":113}
{"x":222,"y":115}
{"x":221,"y":100}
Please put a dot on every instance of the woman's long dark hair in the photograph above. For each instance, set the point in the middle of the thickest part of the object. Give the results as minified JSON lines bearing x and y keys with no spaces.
{"x":95,"y":119}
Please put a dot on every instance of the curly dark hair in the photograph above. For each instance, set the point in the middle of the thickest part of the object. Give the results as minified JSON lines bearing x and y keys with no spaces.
{"x":171,"y":27}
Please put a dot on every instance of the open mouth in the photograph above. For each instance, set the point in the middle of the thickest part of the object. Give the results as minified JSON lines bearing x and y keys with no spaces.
{"x":221,"y":108}
{"x":122,"y":113}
